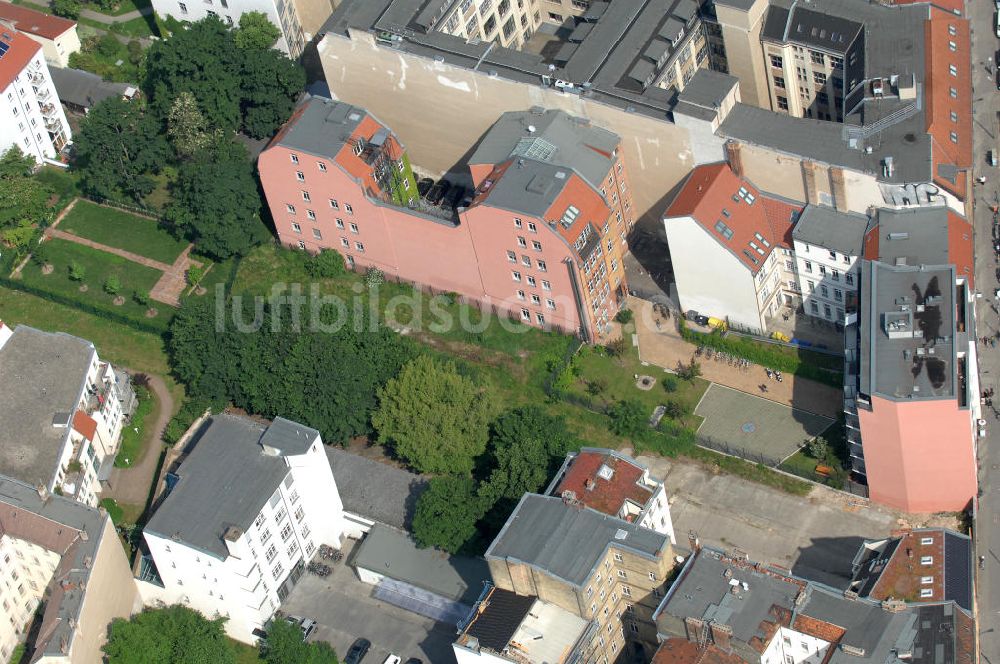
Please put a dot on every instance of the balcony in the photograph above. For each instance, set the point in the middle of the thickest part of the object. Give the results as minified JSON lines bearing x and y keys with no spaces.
{"x":48,"y":110}
{"x":42,"y":94}
{"x":36,"y":77}
{"x":852,"y":422}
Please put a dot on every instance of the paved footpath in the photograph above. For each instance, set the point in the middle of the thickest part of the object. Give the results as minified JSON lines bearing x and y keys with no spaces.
{"x":664,"y":347}
{"x":130,"y":486}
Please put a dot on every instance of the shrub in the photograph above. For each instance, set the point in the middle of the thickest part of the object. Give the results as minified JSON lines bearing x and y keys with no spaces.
{"x":66,"y":8}
{"x":76,"y":271}
{"x":688,"y":371}
{"x":108,"y":46}
{"x":818,"y":448}
{"x":616,"y":348}
{"x":40,"y":255}
{"x":112,"y":285}
{"x":134,"y":49}
{"x":326,"y":265}
{"x":624,"y":316}
{"x":195,"y":274}
{"x":628,"y":419}
{"x":597,"y":386}
{"x":141,"y":297}
{"x":669,"y":384}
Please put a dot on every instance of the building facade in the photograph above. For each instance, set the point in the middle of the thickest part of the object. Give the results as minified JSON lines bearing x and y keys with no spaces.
{"x":538,"y":237}
{"x":249,"y":507}
{"x":827,"y":247}
{"x":284,"y":14}
{"x":31,"y":116}
{"x":63,"y":412}
{"x":911,"y":371}
{"x":598,"y":567}
{"x":68,"y":555}
{"x":616,"y":485}
{"x":57,"y":36}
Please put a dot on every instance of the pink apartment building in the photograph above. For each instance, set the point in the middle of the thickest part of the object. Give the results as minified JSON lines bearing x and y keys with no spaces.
{"x":540,"y":236}
{"x":911,"y":388}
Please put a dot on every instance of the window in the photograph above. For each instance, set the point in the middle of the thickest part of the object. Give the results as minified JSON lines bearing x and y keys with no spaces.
{"x":927,"y":560}
{"x":626,"y":591}
{"x":279,"y":515}
{"x":264,"y":536}
{"x":782,"y":103}
{"x":348,"y":208}
{"x":271,"y":552}
{"x":359,"y":246}
{"x":517,"y":222}
{"x":520,"y":294}
{"x":321,"y":166}
{"x":526,"y":261}
{"x":286,"y":532}
{"x":953,"y":70}
{"x":776,"y":61}
{"x":953,"y":92}
{"x":184,"y":10}
{"x":535,"y":299}
{"x":317,"y":235}
{"x":511,"y":256}
{"x":294,"y":158}
{"x":531,"y":280}
{"x":296,"y":227}
{"x":817,"y":58}
{"x":290,"y":208}
{"x":305,"y":196}
{"x":953,"y":136}
{"x":340,"y":224}
{"x":259,"y":521}
{"x":334,"y":204}
{"x":824,"y":290}
{"x":808,"y":266}
{"x":542,"y":267}
{"x":551,"y":304}
{"x":521,"y":242}
{"x":300,"y":176}
{"x":926,"y":592}
{"x":532,"y":227}
{"x":276,"y":572}
{"x":311,"y":214}
{"x":525,"y":315}
{"x":546,"y":285}
{"x":779,"y":81}
{"x":822,"y":270}
{"x":819,"y":78}
{"x":622,"y":574}
{"x":590,"y":591}
{"x":926,"y":580}
{"x":354,"y":228}
{"x":537,"y":246}
{"x":652,"y":576}
{"x":515,"y":275}
{"x":924,"y":541}
{"x":618,"y":557}
{"x":292,"y":548}
{"x":838,"y":295}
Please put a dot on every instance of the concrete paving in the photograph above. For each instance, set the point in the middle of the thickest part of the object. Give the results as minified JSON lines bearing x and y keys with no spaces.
{"x":985,"y":137}
{"x":345,"y":610}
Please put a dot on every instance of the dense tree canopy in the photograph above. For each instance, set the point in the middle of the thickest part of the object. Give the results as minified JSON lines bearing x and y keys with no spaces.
{"x":325,"y":379}
{"x":526,"y":445}
{"x":284,"y":645}
{"x":215,"y":201}
{"x":167,"y":636}
{"x":628,"y":419}
{"x":118,"y":148}
{"x":256,"y":32}
{"x":447,"y":513}
{"x":23,"y":199}
{"x":433,"y":417}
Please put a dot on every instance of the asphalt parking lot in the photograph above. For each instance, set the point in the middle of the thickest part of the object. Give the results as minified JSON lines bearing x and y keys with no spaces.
{"x":345,"y":610}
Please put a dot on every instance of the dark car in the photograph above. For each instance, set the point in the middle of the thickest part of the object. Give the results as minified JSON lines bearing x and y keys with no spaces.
{"x":424,"y":185}
{"x":414,"y":660}
{"x":358,"y":651}
{"x":438,"y":192}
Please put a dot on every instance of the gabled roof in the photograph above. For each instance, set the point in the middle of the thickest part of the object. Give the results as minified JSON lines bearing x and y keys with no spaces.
{"x":16,"y":51}
{"x":825,"y":227}
{"x":81,"y":88}
{"x":84,"y":424}
{"x":320,"y":127}
{"x":811,"y":28}
{"x":734,"y":212}
{"x":375,"y":490}
{"x":603,"y":480}
{"x":943,"y":31}
{"x":31,"y":22}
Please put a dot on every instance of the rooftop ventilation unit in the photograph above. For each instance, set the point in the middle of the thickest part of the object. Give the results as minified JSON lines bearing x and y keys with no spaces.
{"x":605,"y":472}
{"x":621,"y":534}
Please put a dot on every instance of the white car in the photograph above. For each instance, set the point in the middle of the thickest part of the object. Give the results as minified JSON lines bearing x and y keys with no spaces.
{"x":392,"y":659}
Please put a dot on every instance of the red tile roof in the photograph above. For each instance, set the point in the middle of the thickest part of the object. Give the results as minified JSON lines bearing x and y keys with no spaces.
{"x":606,"y":496}
{"x":22,"y":50}
{"x":84,"y":424}
{"x":681,"y":651}
{"x":818,"y":628}
{"x":591,"y":205}
{"x":960,"y":247}
{"x":943,"y":31}
{"x":901,"y":576}
{"x":713,"y":194}
{"x":36,"y":23}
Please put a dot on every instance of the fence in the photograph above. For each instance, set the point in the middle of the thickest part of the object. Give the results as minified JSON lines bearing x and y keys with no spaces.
{"x":128,"y":207}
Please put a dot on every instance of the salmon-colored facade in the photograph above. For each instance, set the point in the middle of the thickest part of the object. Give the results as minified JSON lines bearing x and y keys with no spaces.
{"x":538,"y":242}
{"x":918,"y":454}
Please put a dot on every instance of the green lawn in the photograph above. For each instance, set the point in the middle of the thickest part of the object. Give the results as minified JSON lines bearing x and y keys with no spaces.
{"x":97,"y":266}
{"x":123,"y":7}
{"x":122,"y":230}
{"x":138,"y":433}
{"x":141,"y":26}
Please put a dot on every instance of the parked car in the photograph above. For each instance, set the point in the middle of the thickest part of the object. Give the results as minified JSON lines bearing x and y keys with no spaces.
{"x":991,"y":157}
{"x":424,"y":185}
{"x":455,"y":195}
{"x":358,"y":651}
{"x":438,"y":192}
{"x":392,"y":659}
{"x":307,"y":625}
{"x":414,"y":660}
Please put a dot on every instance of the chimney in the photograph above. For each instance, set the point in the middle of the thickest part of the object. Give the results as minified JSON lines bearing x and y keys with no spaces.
{"x":734,"y":156}
{"x":589,"y":484}
{"x":43,"y":491}
{"x":721,"y":635}
{"x":694,"y":627}
{"x":693,"y":541}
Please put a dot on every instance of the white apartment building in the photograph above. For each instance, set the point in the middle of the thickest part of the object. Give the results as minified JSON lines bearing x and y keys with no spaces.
{"x":282,"y":13}
{"x":68,"y":554}
{"x":617,"y":485}
{"x":828,"y":246}
{"x":250,"y":506}
{"x":62,"y":410}
{"x":31,"y":116}
{"x":510,"y":23}
{"x":731,"y":248}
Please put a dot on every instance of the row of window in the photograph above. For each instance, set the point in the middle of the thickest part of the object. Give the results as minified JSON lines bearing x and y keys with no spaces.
{"x":312,"y":215}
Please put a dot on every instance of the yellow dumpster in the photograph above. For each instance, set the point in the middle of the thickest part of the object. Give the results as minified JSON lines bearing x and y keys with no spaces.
{"x":717,"y":323}
{"x":780,"y":336}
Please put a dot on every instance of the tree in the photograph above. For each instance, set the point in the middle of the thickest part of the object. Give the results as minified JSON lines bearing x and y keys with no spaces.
{"x":141,"y":297}
{"x":164,"y":636}
{"x":616,"y":347}
{"x":112,"y":284}
{"x":525,"y":446}
{"x":216,"y":203}
{"x":669,"y":384}
{"x":118,"y":147}
{"x":284,"y":645}
{"x":77,"y":271}
{"x":256,"y":32}
{"x":186,"y":126}
{"x":675,"y":410}
{"x":269,"y":84}
{"x":326,"y":264}
{"x":66,"y":8}
{"x":135,"y":51}
{"x":446,"y":513}
{"x":818,"y":448}
{"x":688,"y":371}
{"x":15,"y":164}
{"x":628,"y":419}
{"x":23,"y":199}
{"x":433,"y":417}
{"x":624,"y":316}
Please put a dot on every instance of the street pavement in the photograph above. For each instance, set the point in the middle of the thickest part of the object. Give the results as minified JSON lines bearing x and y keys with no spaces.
{"x":987,"y":527}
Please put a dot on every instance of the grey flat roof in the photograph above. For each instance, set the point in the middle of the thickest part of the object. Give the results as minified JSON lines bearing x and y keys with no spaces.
{"x":322,"y":126}
{"x":43,"y":376}
{"x":705,"y":592}
{"x":375,"y":490}
{"x":394,"y":554}
{"x":918,"y":236}
{"x":568,"y":541}
{"x":81,"y":88}
{"x":289,"y":437}
{"x":564,"y":141}
{"x":823,"y":226}
{"x":908,"y":367}
{"x":866,"y":626}
{"x":811,"y":28}
{"x":62,"y":521}
{"x":224,"y":481}
{"x":707,"y":89}
{"x":529,"y":187}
